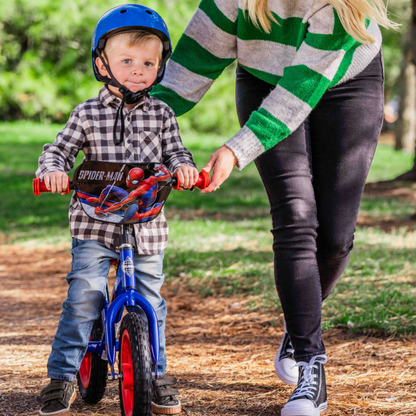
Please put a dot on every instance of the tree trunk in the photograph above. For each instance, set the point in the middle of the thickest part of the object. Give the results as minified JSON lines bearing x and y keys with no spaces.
{"x":406,"y":122}
{"x":413,"y":31}
{"x":408,"y":128}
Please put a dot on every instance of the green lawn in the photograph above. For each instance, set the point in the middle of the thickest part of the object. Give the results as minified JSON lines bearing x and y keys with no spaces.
{"x":220,"y":243}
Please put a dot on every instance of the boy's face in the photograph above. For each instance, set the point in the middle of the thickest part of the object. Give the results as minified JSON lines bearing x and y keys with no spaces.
{"x":135,"y":67}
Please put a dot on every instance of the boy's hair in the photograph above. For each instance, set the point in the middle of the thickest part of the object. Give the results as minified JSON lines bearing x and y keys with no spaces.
{"x":136,"y":38}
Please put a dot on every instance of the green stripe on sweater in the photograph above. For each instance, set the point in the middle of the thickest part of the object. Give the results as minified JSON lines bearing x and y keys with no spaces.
{"x":339,"y":39}
{"x":172,"y":99}
{"x":219,"y":19}
{"x":304,"y":83}
{"x":264,"y":76}
{"x":192,"y":56}
{"x":286,"y":31}
{"x":330,"y":42}
{"x":345,"y":64}
{"x":267,"y":128}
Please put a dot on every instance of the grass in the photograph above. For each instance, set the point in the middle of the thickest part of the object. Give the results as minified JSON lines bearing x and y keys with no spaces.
{"x":220,"y":243}
{"x":388,"y":163}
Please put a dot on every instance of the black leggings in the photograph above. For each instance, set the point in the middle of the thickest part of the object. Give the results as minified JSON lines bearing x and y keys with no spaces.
{"x":314,"y":180}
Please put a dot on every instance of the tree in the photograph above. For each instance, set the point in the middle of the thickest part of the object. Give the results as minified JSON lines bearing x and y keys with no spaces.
{"x":407,"y":114}
{"x":45,"y":60}
{"x":406,"y":122}
{"x":414,"y":30}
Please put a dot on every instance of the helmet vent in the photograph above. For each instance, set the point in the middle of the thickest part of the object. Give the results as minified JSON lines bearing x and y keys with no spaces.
{"x":148,"y":11}
{"x":123,"y":11}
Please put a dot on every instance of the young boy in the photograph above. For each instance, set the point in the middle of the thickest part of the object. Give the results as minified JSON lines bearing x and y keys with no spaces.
{"x":129,"y":51}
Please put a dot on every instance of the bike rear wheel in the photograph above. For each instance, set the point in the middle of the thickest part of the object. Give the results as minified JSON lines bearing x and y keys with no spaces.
{"x":135,"y":386}
{"x":92,"y":374}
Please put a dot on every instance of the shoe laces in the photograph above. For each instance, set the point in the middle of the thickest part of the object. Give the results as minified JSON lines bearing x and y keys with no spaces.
{"x":290,"y":350}
{"x":308,"y":385}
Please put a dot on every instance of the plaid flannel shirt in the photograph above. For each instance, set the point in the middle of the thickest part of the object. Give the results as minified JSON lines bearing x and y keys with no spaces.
{"x":151,"y":136}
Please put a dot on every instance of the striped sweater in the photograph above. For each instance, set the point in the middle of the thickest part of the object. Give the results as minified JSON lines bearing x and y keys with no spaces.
{"x":306,"y":53}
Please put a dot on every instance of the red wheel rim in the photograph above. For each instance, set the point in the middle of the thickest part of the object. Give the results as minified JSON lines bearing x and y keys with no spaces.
{"x":127,"y":382}
{"x":85,"y":370}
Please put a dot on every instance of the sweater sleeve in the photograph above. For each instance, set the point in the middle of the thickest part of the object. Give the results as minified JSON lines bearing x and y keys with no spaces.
{"x":206,"y":48}
{"x":320,"y":61}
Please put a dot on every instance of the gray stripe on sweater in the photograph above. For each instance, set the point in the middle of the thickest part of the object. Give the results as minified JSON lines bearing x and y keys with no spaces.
{"x":211,"y":37}
{"x":325,"y":63}
{"x":246,"y":147}
{"x":187,"y":84}
{"x":364,"y":54}
{"x":229,"y":8}
{"x":286,"y":9}
{"x":277,"y":104}
{"x":322,"y":22}
{"x":251,"y":52}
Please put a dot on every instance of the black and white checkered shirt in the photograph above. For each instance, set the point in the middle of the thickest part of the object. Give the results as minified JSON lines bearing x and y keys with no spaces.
{"x":151,"y":136}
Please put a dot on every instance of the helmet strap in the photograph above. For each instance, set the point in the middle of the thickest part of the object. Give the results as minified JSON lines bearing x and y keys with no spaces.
{"x":129,"y":97}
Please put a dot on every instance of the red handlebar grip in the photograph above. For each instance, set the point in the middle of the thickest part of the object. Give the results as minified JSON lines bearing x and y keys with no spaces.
{"x":202,"y":182}
{"x":39,"y":186}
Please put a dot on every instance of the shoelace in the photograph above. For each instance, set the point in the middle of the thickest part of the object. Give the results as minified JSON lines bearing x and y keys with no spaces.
{"x":290,"y":350}
{"x":307,"y":384}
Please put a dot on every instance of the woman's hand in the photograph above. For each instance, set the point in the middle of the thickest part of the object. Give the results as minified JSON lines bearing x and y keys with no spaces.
{"x":222,"y":161}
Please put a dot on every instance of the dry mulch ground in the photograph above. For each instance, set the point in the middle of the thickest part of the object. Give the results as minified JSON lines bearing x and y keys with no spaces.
{"x":221,"y":353}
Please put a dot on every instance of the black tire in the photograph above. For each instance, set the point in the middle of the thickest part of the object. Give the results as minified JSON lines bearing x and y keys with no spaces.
{"x":135,"y":386}
{"x":92,"y":376}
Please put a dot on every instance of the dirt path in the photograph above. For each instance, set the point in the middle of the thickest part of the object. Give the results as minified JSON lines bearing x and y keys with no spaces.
{"x":222,"y":355}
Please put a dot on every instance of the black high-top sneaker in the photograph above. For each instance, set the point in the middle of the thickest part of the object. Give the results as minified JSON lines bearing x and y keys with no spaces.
{"x":284,"y":362}
{"x":309,"y":397}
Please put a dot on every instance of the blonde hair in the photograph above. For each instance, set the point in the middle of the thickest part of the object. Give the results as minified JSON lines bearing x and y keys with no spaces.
{"x":140,"y":38}
{"x":352,"y":14}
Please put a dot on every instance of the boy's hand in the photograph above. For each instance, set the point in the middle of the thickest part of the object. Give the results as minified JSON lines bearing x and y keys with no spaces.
{"x":56,"y":182}
{"x":187,"y":176}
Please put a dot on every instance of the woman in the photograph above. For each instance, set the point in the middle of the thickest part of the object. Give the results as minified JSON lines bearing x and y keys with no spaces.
{"x":310,"y":103}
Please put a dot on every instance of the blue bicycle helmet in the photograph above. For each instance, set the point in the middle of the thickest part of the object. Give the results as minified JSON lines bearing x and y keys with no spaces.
{"x":127,"y":18}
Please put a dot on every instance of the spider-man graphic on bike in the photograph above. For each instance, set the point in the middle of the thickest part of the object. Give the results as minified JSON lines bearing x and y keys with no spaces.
{"x":142,"y":199}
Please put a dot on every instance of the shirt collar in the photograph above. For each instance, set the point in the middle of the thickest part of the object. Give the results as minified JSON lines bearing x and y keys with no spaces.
{"x":106,"y":98}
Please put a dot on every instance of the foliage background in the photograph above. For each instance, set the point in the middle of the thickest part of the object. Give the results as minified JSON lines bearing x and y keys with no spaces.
{"x":45,"y":59}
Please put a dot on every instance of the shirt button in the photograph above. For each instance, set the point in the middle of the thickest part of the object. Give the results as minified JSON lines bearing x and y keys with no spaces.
{"x":128,"y":141}
{"x":129,"y":118}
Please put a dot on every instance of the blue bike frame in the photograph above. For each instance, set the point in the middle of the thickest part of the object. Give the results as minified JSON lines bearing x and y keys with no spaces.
{"x":126,"y":296}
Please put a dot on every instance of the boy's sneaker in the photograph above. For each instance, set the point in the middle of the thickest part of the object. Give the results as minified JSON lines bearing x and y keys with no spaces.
{"x":164,"y":401}
{"x":56,"y":398}
{"x":309,"y":398}
{"x":285,"y":364}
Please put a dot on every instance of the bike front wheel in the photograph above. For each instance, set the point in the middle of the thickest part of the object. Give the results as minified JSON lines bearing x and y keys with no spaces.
{"x":135,"y":367}
{"x":92,"y":374}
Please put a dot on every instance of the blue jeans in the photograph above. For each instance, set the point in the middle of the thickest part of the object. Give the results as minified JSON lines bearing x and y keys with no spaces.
{"x":87,"y":287}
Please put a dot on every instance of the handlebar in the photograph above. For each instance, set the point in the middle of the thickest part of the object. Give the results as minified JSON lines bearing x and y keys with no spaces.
{"x":203,"y":181}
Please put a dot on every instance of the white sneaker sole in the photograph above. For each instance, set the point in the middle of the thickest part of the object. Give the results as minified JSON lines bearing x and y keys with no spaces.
{"x":302,"y":408}
{"x":63,"y":412}
{"x":166,"y":410}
